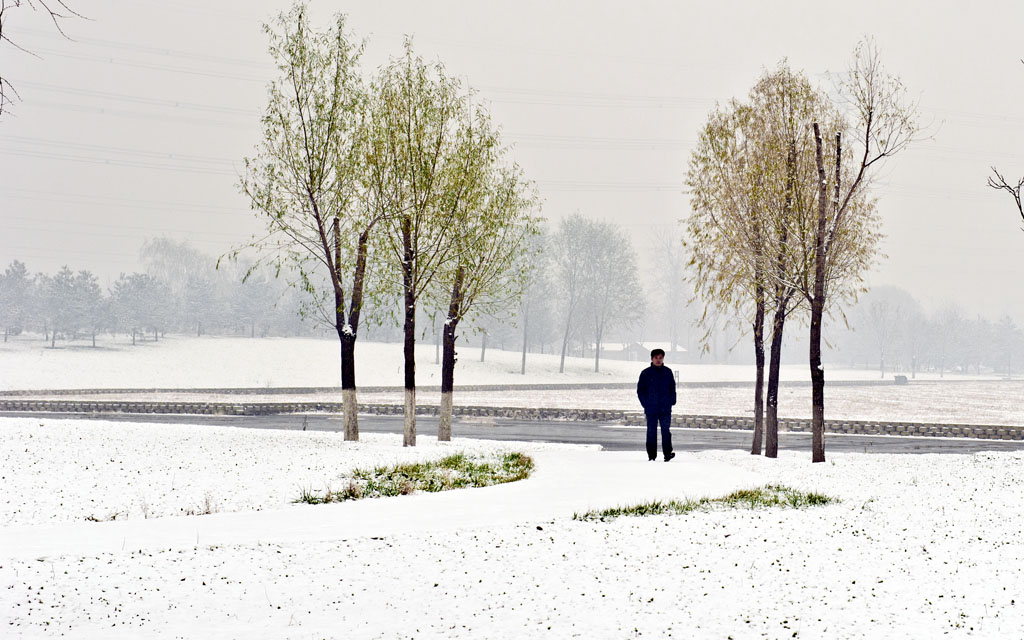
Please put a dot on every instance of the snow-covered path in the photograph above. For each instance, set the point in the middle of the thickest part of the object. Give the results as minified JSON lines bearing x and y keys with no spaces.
{"x":567,"y":481}
{"x":917,"y":546}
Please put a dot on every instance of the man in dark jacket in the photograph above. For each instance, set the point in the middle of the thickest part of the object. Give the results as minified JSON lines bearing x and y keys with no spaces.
{"x":657,"y":392}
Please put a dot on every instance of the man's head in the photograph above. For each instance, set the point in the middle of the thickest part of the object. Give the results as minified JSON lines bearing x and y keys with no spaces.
{"x":658,"y":357}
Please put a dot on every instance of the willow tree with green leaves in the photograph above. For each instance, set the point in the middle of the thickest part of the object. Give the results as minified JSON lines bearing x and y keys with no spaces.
{"x":882,"y":123}
{"x":784,"y":103}
{"x":306,"y":180}
{"x":487,"y":275}
{"x":723,"y":188}
{"x":753,"y":178}
{"x":422,"y":174}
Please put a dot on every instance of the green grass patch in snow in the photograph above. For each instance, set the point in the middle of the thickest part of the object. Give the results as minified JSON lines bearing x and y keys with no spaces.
{"x":456,"y":471}
{"x":772,"y":495}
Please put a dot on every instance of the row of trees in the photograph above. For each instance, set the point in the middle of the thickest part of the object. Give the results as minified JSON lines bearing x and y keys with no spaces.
{"x":396,"y":187}
{"x":783,"y":220}
{"x":895,"y":334}
{"x":72,"y":304}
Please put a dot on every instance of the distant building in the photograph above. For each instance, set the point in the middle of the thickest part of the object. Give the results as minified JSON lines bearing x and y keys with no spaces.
{"x":637,"y":351}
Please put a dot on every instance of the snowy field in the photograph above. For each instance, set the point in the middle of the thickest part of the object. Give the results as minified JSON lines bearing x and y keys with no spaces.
{"x":186,"y":362}
{"x":178,"y":362}
{"x":918,"y":546}
{"x":96,"y":540}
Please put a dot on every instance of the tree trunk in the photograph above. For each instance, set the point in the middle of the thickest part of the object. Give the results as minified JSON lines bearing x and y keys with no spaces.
{"x":351,"y":331}
{"x":526,"y":326}
{"x":483,"y":347}
{"x":444,"y":423}
{"x":133,"y":337}
{"x":409,"y":351}
{"x":818,"y":302}
{"x":771,"y":446}
{"x":437,"y":344}
{"x":93,"y":338}
{"x":782,"y":299}
{"x":350,"y":406}
{"x":755,"y":447}
{"x":565,"y":345}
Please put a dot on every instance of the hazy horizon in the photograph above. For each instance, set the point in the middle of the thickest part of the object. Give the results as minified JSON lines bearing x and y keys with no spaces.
{"x":136,"y":128}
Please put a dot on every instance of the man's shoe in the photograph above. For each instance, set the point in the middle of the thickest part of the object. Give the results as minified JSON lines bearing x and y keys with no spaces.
{"x":669,"y":456}
{"x":652,"y":459}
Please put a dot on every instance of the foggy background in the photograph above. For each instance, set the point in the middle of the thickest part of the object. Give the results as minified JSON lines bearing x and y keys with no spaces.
{"x":136,"y":128}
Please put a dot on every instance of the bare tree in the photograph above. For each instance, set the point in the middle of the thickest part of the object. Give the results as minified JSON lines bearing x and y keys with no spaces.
{"x":884,"y":126}
{"x":669,"y":277}
{"x":997,"y":181}
{"x":55,"y":10}
{"x":535,"y":303}
{"x":613,"y":296}
{"x":569,"y":250}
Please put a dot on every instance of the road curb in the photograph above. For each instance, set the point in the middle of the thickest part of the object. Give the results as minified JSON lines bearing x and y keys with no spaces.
{"x":856,"y":427}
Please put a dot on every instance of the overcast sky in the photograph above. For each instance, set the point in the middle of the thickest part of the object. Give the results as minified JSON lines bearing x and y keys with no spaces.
{"x":137,"y":127}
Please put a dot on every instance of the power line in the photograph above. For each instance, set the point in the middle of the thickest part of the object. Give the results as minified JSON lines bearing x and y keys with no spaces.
{"x":154,"y":67}
{"x":107,"y":201}
{"x":121,"y":97}
{"x":159,"y":51}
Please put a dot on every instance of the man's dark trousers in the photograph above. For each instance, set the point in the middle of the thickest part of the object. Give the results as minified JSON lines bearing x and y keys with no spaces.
{"x":652,"y":434}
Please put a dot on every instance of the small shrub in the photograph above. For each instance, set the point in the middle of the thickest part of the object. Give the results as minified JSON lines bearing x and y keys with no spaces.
{"x":454,"y":471}
{"x":768,"y":496}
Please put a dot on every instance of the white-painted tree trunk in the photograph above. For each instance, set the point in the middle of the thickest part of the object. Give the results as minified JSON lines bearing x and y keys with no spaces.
{"x":444,"y":423}
{"x":410,"y":418}
{"x":351,"y":409}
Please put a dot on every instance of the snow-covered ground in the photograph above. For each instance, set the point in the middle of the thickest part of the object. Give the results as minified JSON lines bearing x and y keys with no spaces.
{"x":210,"y":362}
{"x":917,"y":546}
{"x":178,"y":362}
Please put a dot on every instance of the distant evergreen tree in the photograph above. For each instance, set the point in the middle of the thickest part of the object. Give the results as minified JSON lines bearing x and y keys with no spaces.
{"x":15,"y":298}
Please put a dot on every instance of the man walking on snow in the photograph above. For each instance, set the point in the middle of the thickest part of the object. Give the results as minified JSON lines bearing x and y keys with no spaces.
{"x":656,"y":389}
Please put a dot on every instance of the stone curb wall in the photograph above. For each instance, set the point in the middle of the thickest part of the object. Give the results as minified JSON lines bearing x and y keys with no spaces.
{"x":632,"y":418}
{"x":426,"y":389}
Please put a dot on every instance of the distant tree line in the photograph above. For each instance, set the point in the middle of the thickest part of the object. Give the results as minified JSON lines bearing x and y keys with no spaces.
{"x":891,"y":331}
{"x":181,"y":291}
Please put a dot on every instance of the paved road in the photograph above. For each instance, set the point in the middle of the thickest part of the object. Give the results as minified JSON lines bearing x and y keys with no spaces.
{"x":612,"y":438}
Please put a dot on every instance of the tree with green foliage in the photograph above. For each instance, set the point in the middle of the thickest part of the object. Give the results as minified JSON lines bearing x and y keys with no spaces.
{"x":749,"y":177}
{"x":305,"y":181}
{"x":420,"y":171}
{"x":487,"y":274}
